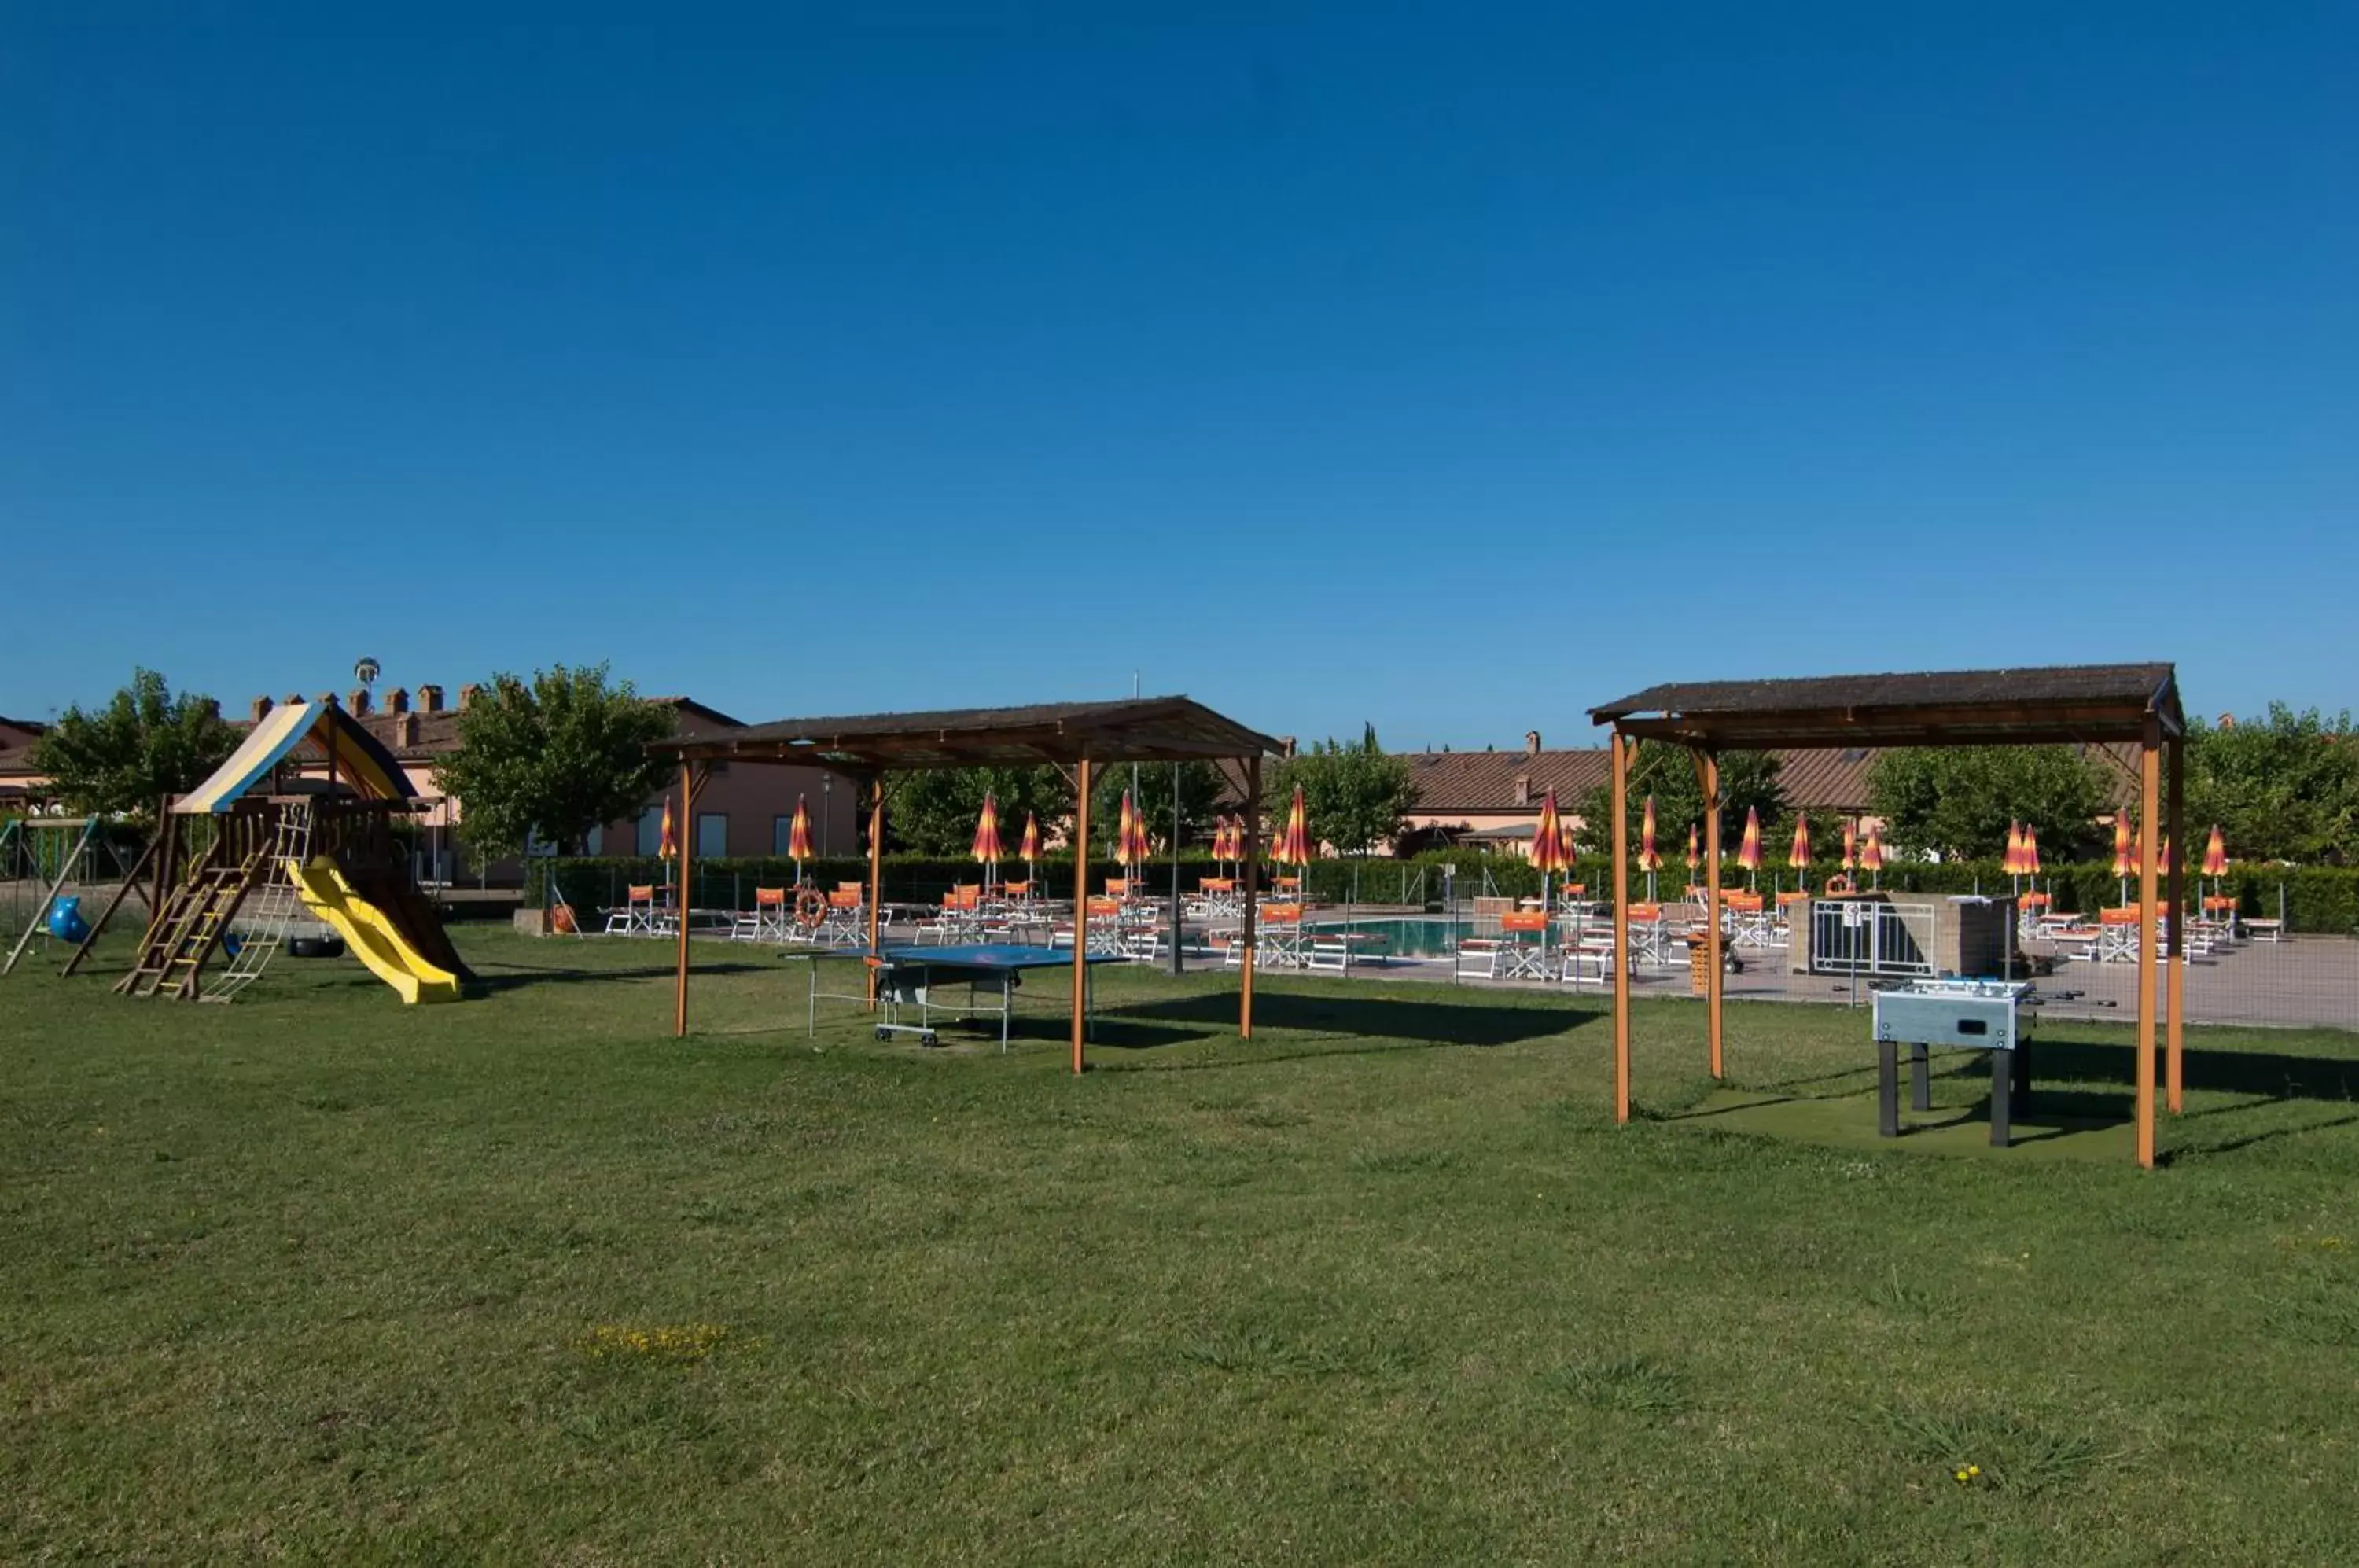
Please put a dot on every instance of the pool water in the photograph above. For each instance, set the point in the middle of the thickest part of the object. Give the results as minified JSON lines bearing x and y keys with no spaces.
{"x":1409,"y":937}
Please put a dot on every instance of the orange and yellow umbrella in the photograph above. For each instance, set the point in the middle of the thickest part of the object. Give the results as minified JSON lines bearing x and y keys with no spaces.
{"x":1139,"y":847}
{"x":1695,"y":850}
{"x":2012,"y":861}
{"x":799,"y":847}
{"x":1851,"y":846}
{"x":1547,"y":840}
{"x":2125,"y":852}
{"x":1798,"y":857}
{"x":1871,"y":854}
{"x":2030,"y":850}
{"x":1130,"y":835}
{"x":1651,"y":858}
{"x":2215,"y":854}
{"x":1029,"y":849}
{"x":986,"y":838}
{"x":1748,"y":849}
{"x":1293,"y":845}
{"x":668,"y":842}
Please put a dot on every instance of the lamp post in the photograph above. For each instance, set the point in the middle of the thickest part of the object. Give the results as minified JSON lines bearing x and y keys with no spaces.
{"x":827,"y":813}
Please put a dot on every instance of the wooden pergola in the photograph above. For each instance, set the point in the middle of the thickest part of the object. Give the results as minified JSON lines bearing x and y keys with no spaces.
{"x":2095,"y":704}
{"x":1075,"y":737}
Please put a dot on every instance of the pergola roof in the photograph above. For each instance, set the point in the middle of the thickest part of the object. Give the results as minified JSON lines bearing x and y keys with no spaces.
{"x":1138,"y":729}
{"x":2054,"y":704}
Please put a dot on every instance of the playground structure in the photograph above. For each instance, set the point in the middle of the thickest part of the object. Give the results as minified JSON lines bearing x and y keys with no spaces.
{"x":296,"y":825}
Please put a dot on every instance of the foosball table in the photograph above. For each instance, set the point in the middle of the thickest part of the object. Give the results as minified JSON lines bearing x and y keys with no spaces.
{"x":1953,"y":1015}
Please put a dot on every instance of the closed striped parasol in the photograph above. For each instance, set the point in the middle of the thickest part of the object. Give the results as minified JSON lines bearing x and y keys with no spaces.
{"x":1748,"y":848}
{"x":798,"y":848}
{"x":986,"y":839}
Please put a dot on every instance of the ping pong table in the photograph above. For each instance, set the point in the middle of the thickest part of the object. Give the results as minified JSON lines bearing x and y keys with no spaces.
{"x":911,"y":977}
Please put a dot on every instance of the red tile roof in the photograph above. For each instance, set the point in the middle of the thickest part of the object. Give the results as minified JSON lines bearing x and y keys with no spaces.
{"x":1487,"y":781}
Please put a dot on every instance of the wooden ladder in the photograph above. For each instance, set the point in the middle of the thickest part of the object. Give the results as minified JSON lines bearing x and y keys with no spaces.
{"x":191,"y":926}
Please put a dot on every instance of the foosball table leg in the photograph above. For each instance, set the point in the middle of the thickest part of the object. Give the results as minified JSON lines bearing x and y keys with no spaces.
{"x":1921,"y":1078}
{"x":1888,"y":1089}
{"x":2002,"y":1094}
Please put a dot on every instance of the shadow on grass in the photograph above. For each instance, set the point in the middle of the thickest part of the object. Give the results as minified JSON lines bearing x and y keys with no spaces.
{"x":512,"y":977}
{"x":1381,"y":1018}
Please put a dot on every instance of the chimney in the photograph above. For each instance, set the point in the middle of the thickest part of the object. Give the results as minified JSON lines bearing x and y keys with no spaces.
{"x":359,"y":701}
{"x":429,"y":699}
{"x":398,"y":699}
{"x":261,"y":709}
{"x":330,"y":700}
{"x":1531,"y":743}
{"x":467,"y":695}
{"x":1523,"y":789}
{"x":1285,"y":746}
{"x":293,"y":698}
{"x":405,"y":729}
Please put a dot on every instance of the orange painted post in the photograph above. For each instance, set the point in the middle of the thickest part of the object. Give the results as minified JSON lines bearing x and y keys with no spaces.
{"x":1252,"y":880}
{"x":875,"y":877}
{"x":1619,"y":762}
{"x":679,"y":910}
{"x":1082,"y":909}
{"x":2175,"y":982}
{"x":2150,"y":786}
{"x":1712,"y":953}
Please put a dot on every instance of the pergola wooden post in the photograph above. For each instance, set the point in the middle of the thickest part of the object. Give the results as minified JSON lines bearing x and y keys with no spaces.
{"x":1619,"y":762}
{"x":1081,"y":906}
{"x":680,"y":912}
{"x":2174,"y":983}
{"x":1086,"y":736}
{"x":2089,"y":705}
{"x":1708,"y":768}
{"x":1252,"y":880}
{"x":2149,"y":829}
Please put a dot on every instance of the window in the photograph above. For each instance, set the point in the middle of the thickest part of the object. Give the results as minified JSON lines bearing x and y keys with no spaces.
{"x":596,"y":842}
{"x":782,"y":833}
{"x":651,"y":830}
{"x":712,"y":835}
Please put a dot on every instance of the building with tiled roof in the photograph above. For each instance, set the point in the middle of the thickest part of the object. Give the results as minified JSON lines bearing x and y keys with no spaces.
{"x":1497,"y":795}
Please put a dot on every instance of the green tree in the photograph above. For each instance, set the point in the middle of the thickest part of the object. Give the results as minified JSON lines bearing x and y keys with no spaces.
{"x":145,"y":743}
{"x":2283,"y":786}
{"x":554,"y":758}
{"x":1200,"y":787}
{"x":1353,"y":797}
{"x":1748,"y":781}
{"x":934,"y":812}
{"x":1957,"y":801}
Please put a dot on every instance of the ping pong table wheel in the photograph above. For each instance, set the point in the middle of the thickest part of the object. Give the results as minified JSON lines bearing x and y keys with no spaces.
{"x":884,"y":1033}
{"x":929,"y":1037}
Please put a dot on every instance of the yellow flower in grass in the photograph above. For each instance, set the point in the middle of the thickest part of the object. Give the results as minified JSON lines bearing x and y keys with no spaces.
{"x":663,"y":1342}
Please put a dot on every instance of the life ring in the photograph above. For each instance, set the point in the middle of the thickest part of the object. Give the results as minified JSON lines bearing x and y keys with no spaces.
{"x":810,"y":908}
{"x":1839,"y":882}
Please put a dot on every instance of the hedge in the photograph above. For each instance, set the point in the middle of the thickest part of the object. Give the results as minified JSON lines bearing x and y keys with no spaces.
{"x":2308,"y":899}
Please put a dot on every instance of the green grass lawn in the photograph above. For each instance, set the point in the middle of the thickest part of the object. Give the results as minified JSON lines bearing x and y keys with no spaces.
{"x":315,"y":1276}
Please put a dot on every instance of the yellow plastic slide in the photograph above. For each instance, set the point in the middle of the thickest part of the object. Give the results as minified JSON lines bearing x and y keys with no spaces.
{"x":374,"y":938}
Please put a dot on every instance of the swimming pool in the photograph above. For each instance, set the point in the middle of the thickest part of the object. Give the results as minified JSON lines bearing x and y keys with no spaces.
{"x":1409,"y":936}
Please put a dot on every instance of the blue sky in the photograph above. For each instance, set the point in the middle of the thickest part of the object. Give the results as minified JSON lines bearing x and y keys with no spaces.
{"x":1448,"y":367}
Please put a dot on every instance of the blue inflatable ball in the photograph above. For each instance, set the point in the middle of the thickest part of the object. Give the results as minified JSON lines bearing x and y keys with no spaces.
{"x":66,"y":923}
{"x":232,"y":942}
